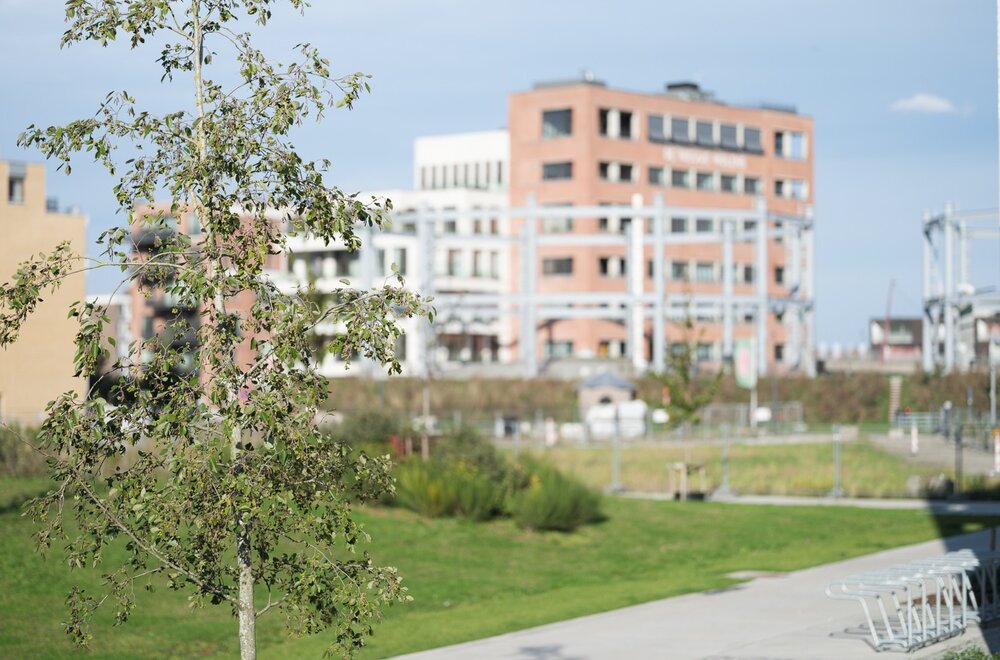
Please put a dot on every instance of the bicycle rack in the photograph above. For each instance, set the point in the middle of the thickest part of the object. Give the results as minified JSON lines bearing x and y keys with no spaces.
{"x":915,"y":604}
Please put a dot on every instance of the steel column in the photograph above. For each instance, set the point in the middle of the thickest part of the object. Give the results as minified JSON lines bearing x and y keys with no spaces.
{"x":659,"y":286}
{"x":761,"y":275}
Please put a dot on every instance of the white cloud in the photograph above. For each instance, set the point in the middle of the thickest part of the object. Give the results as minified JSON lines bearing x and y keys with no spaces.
{"x":924,"y":102}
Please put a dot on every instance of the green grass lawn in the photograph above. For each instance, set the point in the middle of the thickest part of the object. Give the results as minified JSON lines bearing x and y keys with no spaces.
{"x":799,"y":469}
{"x":472,"y":580}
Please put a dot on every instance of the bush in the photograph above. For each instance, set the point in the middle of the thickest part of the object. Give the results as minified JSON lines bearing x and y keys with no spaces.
{"x":553,"y":501}
{"x":468,"y":447}
{"x":370,"y":427}
{"x":17,"y":457}
{"x":447,"y":488}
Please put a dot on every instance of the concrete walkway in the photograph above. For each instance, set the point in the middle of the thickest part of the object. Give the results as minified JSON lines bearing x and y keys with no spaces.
{"x":779,"y":616}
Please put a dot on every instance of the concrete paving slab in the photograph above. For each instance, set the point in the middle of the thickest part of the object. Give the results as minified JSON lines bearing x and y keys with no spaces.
{"x":774,"y":617}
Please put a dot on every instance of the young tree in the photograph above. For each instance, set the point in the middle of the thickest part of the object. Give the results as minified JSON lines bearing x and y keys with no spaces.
{"x":686,"y":391}
{"x":214,"y":478}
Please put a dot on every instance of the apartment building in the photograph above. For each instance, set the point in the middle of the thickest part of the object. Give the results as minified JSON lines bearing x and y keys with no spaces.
{"x":156,"y":313}
{"x":39,"y":366}
{"x":582,"y":144}
{"x":592,"y":228}
{"x":445,"y":242}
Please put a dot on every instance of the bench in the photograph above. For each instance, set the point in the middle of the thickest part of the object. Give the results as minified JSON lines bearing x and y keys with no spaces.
{"x":921,"y":602}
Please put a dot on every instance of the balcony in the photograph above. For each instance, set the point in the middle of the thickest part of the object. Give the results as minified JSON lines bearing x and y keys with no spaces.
{"x":168,"y":305}
{"x":146,"y":238}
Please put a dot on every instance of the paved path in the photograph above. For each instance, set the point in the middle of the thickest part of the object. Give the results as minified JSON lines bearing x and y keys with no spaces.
{"x":934,"y":451}
{"x":777,"y":617}
{"x":937,"y":507}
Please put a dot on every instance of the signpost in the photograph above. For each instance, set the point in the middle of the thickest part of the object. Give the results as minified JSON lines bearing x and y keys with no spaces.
{"x":745,"y":367}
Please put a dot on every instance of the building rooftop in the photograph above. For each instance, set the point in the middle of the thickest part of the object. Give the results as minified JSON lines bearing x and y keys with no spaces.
{"x":685,"y":90}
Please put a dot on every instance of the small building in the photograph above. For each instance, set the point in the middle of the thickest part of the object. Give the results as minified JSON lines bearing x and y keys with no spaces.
{"x":602,"y":389}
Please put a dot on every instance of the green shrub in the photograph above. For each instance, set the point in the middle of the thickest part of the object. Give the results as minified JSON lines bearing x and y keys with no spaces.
{"x":447,"y":488}
{"x":370,"y":427}
{"x":424,"y":487}
{"x":468,"y":447}
{"x":17,"y":457}
{"x":553,"y":501}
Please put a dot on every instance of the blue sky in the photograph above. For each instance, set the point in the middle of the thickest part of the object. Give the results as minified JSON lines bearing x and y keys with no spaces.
{"x":903,"y":93}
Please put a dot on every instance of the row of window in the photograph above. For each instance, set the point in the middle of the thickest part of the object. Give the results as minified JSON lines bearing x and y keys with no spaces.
{"x":622,"y":172}
{"x":709,"y":272}
{"x":332,"y":264}
{"x":703,"y":351}
{"x":706,"y":133}
{"x":482,"y":265}
{"x":620,"y":225}
{"x":477,"y":175}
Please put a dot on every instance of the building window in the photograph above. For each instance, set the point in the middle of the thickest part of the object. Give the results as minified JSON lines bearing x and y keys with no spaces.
{"x":751,"y":185}
{"x":478,"y":269}
{"x":614,"y":225}
{"x":558,"y":266}
{"x":194,"y":224}
{"x":779,"y":352}
{"x":625,"y":125}
{"x":454,"y":263}
{"x":797,"y":189}
{"x":779,"y":274}
{"x":704,"y":226}
{"x":748,"y":274}
{"x":751,"y":140}
{"x":679,"y":271}
{"x":704,"y":271}
{"x":704,"y":134}
{"x":790,"y":144}
{"x":494,"y":226}
{"x":657,"y":131}
{"x":615,"y":123}
{"x":678,"y":225}
{"x":15,"y":189}
{"x":727,"y":183}
{"x":615,"y":171}
{"x":557,"y":123}
{"x":557,"y":171}
{"x":612,"y":266}
{"x":557,"y":225}
{"x":557,"y":349}
{"x":679,"y":130}
{"x":749,"y":225}
{"x":399,"y":260}
{"x":495,"y":265}
{"x":679,"y":179}
{"x":450,"y":226}
{"x":704,"y":352}
{"x":796,"y":148}
{"x":611,"y":348}
{"x":705,"y":181}
{"x":727,"y":137}
{"x":779,"y":188}
{"x":657,"y":176}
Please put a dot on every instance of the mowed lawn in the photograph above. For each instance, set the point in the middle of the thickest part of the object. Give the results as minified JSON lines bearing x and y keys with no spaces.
{"x":472,"y":580}
{"x":786,"y":469}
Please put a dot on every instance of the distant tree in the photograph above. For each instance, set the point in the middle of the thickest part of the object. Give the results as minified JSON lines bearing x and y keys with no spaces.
{"x":215,"y":478}
{"x":688,"y":387}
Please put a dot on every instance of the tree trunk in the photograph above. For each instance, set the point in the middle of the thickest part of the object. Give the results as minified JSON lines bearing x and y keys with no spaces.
{"x":247,"y":610}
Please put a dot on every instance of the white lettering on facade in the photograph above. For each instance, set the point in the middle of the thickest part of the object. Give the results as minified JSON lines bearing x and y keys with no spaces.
{"x":696,"y":158}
